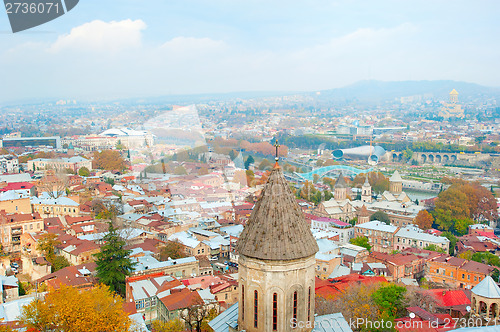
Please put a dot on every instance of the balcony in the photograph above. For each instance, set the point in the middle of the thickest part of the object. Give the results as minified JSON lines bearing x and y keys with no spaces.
{"x":16,"y":231}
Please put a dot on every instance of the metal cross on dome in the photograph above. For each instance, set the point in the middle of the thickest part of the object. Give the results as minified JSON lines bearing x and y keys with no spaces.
{"x":276,"y":145}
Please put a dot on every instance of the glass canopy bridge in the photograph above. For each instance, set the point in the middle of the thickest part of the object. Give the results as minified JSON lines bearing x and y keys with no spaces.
{"x":322,"y":171}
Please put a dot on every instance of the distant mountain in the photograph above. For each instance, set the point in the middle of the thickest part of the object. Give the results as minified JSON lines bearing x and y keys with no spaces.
{"x":378,"y":91}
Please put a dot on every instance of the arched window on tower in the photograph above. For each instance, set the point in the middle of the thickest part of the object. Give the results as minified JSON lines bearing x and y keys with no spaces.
{"x":275,"y":312}
{"x":242,"y":302}
{"x":309,"y":305}
{"x":295,"y":305}
{"x":255,"y":308}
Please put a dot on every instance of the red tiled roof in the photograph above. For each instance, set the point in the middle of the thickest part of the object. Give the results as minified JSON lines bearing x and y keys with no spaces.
{"x":181,"y":299}
{"x":17,"y":186}
{"x":448,"y":298}
{"x":74,"y":220}
{"x":333,"y":287}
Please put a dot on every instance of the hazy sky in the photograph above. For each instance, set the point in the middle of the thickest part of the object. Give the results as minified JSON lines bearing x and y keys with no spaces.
{"x":120,"y":48}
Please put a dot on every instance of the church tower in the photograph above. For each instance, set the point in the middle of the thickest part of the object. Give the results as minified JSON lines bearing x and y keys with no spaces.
{"x":363,"y":215}
{"x":340,"y":192}
{"x":453,"y":96}
{"x":366,"y":191}
{"x":276,"y":263}
{"x":396,"y":183}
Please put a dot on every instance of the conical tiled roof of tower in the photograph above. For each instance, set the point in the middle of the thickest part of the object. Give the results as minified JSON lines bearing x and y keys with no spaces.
{"x":396,"y":177}
{"x":340,"y":183}
{"x":277,"y":229}
{"x":363,"y":212}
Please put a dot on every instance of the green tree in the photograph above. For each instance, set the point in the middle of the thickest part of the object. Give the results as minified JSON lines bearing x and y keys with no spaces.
{"x":407,"y":154}
{"x":390,"y":299}
{"x":381,"y":216}
{"x":453,"y":241}
{"x":362,"y":242}
{"x":113,"y":262}
{"x":21,"y":290}
{"x":249,"y":161}
{"x":462,"y":226}
{"x":84,"y":171}
{"x":59,"y":262}
{"x":486,"y":258}
{"x":435,"y":248}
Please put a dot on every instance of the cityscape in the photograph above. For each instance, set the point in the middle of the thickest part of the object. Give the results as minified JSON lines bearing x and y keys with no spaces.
{"x":142,"y":200}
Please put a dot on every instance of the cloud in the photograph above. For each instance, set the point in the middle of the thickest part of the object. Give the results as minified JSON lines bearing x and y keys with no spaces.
{"x":102,"y":36}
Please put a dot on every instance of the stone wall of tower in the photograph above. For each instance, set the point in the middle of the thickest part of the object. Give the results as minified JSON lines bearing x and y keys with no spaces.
{"x":396,"y":187}
{"x":340,"y":194}
{"x":280,"y":277}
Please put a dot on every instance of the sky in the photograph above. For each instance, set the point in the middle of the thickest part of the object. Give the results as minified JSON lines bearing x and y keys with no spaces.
{"x":106,"y":49}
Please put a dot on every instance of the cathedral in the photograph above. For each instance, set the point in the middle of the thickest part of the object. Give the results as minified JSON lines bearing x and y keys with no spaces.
{"x":276,"y":276}
{"x":452,"y":109}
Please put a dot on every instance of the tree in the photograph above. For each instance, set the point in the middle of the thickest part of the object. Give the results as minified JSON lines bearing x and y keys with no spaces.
{"x":453,"y":241}
{"x":109,"y":160}
{"x":378,"y":181}
{"x":21,"y":289}
{"x":486,"y":258}
{"x":69,"y":310}
{"x":249,"y":161}
{"x":424,"y":220}
{"x":59,"y":262}
{"x":362,"y":242}
{"x":462,"y":226}
{"x":195,"y":314}
{"x":265,"y":164}
{"x":407,"y":154}
{"x":391,"y":299}
{"x":54,"y":185}
{"x":250,"y":178}
{"x":104,"y":209}
{"x":416,"y":297}
{"x":47,"y":244}
{"x":173,"y":325}
{"x":381,"y":216}
{"x":462,"y":202}
{"x":84,"y":171}
{"x":180,"y":170}
{"x":113,"y":262}
{"x":435,"y":248}
{"x":172,"y":249}
{"x":355,"y":302}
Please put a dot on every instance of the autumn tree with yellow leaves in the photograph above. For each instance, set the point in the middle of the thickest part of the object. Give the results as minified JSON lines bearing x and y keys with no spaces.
{"x":68,"y":309}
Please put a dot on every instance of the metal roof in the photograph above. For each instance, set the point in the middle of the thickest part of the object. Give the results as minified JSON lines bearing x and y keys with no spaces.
{"x":487,"y":288}
{"x":331,"y":323}
{"x":228,"y":317}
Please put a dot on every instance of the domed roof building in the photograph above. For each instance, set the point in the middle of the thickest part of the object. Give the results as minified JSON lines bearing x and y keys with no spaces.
{"x":486,"y":299}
